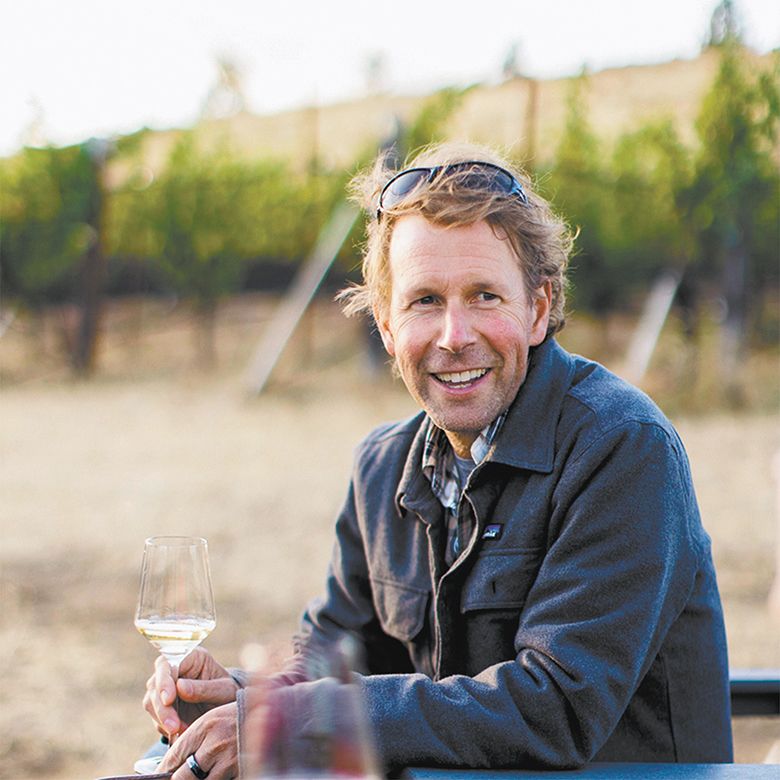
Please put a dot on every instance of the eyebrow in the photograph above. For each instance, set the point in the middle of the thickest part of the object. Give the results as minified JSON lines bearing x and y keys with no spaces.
{"x":413,"y":293}
{"x":423,"y":290}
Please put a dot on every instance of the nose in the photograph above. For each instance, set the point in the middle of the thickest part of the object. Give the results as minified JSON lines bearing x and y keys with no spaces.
{"x":457,"y":330}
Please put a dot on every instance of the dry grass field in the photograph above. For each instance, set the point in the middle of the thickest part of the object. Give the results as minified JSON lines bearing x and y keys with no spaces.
{"x":151,"y":446}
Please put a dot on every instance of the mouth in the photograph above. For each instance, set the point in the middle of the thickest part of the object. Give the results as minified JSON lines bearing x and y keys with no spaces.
{"x":460,"y":379}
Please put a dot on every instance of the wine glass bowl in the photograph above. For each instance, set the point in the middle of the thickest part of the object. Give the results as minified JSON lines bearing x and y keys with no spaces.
{"x":176,"y":601}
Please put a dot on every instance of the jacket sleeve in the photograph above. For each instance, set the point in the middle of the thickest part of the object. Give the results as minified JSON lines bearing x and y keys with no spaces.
{"x":621,"y":562}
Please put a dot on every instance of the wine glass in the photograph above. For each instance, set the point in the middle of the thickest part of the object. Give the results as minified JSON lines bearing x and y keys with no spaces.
{"x":176,"y":602}
{"x":175,"y":605}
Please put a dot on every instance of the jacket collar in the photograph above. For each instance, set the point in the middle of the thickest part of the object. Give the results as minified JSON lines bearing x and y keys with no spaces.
{"x":527,"y":437}
{"x":414,"y":490}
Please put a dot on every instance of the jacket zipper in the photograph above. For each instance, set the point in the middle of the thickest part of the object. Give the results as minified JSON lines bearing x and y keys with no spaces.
{"x":437,"y":637}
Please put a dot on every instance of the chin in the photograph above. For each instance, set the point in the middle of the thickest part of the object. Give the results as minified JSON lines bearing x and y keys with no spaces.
{"x":461,"y":425}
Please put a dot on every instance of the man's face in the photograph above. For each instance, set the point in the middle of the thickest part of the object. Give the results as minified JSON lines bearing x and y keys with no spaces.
{"x":459,"y":323}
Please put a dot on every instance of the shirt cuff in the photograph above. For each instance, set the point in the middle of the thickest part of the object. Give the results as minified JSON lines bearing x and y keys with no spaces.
{"x":240,"y":677}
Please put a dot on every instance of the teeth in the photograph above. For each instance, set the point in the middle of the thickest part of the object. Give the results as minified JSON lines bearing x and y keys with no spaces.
{"x":461,"y":377}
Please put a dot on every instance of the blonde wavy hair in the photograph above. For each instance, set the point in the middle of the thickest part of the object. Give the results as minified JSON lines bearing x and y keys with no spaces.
{"x":541,"y":241}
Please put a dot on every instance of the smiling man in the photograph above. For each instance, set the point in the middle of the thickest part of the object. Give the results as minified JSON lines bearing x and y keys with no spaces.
{"x":523,"y":562}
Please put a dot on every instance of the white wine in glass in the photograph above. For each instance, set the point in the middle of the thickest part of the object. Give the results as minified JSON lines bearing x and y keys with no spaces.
{"x":176,"y":602}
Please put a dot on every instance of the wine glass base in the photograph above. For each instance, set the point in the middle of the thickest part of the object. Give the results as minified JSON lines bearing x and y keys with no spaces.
{"x":147,"y":766}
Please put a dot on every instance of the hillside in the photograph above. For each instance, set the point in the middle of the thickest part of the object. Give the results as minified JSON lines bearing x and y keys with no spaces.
{"x":521,"y":115}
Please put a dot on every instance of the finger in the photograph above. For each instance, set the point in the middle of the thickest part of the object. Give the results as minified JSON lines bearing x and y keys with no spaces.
{"x":151,"y":708}
{"x":214,"y":746}
{"x":150,"y":697}
{"x":151,"y":704}
{"x":165,"y":681}
{"x":178,"y":751}
{"x":195,"y":663}
{"x":160,"y":698}
{"x":215,"y":773}
{"x":221,"y":770}
{"x":219,"y":691}
{"x":216,"y":769}
{"x":147,"y":701}
{"x":166,"y":719}
{"x":194,"y":740}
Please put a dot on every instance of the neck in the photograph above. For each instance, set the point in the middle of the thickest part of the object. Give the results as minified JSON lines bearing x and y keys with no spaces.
{"x":461,"y":443}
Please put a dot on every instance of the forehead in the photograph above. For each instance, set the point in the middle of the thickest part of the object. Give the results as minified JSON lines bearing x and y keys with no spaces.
{"x":417,"y":246}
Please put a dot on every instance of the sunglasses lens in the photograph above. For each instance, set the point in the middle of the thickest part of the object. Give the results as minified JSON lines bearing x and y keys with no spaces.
{"x":401,"y":186}
{"x":487,"y":178}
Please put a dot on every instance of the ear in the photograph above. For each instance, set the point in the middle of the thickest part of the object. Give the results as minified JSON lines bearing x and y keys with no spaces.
{"x":383,"y":326}
{"x":540,"y":306}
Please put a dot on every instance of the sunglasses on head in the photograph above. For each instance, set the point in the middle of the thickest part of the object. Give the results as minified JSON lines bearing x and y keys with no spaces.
{"x":475,"y":175}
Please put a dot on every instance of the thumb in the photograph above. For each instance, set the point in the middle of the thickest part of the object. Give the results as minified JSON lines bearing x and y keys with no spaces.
{"x":219,"y":691}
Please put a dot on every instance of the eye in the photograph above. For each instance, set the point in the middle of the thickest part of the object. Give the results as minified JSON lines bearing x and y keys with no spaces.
{"x":426,"y":300}
{"x":486,"y":297}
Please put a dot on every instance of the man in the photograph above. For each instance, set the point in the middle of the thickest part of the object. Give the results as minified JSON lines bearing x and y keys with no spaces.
{"x":523,"y":562}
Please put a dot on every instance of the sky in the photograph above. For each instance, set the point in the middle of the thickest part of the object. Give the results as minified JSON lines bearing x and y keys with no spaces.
{"x":74,"y":69}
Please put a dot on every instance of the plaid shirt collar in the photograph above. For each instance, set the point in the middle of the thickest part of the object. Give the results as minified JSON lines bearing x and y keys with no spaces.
{"x":438,"y":459}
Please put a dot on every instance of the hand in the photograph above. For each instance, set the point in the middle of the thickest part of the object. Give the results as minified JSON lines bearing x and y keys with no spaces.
{"x":200,"y":684}
{"x":212,"y":738}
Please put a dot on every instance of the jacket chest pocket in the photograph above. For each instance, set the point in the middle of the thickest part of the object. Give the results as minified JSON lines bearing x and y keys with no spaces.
{"x":500,"y":579}
{"x":401,"y":609}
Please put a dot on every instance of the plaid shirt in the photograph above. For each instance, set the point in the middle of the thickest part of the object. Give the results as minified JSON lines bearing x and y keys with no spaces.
{"x":438,"y":465}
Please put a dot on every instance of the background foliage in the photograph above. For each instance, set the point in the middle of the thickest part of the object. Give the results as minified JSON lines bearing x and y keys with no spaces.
{"x":213,"y":222}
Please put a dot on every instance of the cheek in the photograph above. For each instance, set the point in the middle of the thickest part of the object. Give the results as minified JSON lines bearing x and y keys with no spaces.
{"x":409,"y":347}
{"x":507,"y":334}
{"x":410,"y":336}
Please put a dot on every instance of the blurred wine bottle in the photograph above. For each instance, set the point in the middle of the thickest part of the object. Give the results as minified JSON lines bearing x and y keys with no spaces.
{"x":318,"y":730}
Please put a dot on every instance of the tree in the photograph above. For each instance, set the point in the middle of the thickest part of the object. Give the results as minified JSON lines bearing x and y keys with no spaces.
{"x":579,"y":185}
{"x":208,"y":214}
{"x":732,"y":202}
{"x":194,"y":223}
{"x":50,"y":235}
{"x":42,"y":220}
{"x":648,"y":233}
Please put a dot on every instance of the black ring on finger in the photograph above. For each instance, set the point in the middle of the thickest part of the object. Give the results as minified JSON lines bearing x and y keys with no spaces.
{"x":196,"y":768}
